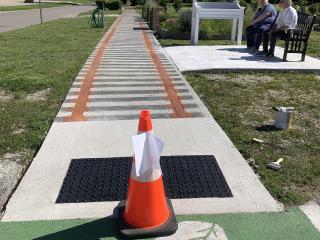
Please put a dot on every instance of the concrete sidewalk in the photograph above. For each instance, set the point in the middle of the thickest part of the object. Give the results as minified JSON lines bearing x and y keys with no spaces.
{"x":236,"y":58}
{"x":127,"y":72}
{"x":19,"y":19}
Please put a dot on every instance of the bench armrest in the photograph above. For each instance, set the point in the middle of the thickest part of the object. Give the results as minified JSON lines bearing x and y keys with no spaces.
{"x":302,"y":34}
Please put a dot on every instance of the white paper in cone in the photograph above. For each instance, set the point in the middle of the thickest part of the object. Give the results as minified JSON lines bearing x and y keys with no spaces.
{"x":147,"y":149}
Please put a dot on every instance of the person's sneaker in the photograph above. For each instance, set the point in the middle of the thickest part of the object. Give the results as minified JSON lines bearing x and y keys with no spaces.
{"x":253,"y":50}
{"x":261,"y":53}
{"x":268,"y":56}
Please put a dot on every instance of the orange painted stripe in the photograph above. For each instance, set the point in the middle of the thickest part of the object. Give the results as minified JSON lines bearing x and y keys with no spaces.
{"x":176,"y":104}
{"x":83,"y":95}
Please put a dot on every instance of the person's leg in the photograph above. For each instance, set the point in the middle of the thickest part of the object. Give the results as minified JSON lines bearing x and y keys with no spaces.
{"x":266,"y":38}
{"x":273,"y":39}
{"x":250,"y":34}
{"x":259,"y":38}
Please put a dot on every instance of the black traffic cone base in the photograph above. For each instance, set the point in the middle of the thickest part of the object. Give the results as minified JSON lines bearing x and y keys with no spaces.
{"x":166,"y":229}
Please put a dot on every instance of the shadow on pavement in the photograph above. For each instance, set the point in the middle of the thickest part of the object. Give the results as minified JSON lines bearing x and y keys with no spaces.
{"x":94,"y":230}
{"x":231,"y":49}
{"x":260,"y":59}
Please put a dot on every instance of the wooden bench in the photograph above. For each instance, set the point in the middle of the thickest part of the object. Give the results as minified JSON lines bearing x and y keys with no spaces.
{"x":297,"y":39}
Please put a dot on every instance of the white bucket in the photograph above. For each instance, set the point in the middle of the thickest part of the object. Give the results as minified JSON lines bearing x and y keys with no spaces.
{"x":283,"y":117}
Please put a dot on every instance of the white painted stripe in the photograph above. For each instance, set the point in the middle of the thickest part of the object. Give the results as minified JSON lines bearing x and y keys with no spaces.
{"x":128,"y":63}
{"x":120,"y":88}
{"x":127,"y":50}
{"x":130,"y":95}
{"x":124,"y":54}
{"x":124,"y":84}
{"x":136,"y":79}
{"x":134,"y":112}
{"x":71,"y":97}
{"x":129,"y":103}
{"x":126,"y":112}
{"x":125,"y":88}
{"x":74,"y":89}
{"x":63,"y":114}
{"x":138,"y":83}
{"x":65,"y":105}
{"x":131,"y":62}
{"x":312,"y":211}
{"x":79,"y":78}
{"x":133,"y":72}
{"x":137,"y":48}
{"x":132,"y":56}
{"x":117,"y":72}
{"x":135,"y":57}
{"x":122,"y":68}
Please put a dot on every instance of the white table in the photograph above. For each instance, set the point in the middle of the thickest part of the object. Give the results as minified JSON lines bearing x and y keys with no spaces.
{"x":217,"y":10}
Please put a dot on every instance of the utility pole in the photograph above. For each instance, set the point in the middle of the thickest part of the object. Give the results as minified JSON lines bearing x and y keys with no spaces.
{"x":40,"y":7}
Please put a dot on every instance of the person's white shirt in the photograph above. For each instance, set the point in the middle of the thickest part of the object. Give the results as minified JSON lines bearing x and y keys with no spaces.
{"x":287,"y":17}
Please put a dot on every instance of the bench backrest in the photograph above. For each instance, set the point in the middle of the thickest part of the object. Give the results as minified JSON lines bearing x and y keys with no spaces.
{"x":305,"y":21}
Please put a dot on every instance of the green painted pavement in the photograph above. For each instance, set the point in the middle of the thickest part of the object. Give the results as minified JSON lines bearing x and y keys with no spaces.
{"x":291,"y":225}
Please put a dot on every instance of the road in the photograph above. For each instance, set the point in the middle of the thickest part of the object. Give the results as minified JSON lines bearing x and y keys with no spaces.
{"x":19,"y":19}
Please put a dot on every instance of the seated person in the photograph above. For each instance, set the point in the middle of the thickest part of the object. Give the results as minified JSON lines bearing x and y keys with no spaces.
{"x":287,"y":19}
{"x":262,"y":22}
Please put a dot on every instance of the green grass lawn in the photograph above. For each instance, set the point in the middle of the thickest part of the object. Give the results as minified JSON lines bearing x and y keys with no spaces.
{"x":28,"y":7}
{"x":314,"y":45}
{"x":241,"y":104}
{"x":37,"y":67}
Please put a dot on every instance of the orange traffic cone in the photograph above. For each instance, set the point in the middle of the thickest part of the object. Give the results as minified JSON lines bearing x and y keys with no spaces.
{"x":147,"y":212}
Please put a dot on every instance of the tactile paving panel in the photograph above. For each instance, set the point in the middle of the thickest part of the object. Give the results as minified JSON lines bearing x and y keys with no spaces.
{"x":106,"y":179}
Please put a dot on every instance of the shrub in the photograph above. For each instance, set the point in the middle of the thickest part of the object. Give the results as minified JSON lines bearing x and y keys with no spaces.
{"x":114,"y":4}
{"x":314,"y":9}
{"x":164,"y":3}
{"x":151,"y":3}
{"x":124,"y":2}
{"x":169,"y":24}
{"x":248,"y":17}
{"x":215,"y":27}
{"x":184,"y":20}
{"x":137,"y":2}
{"x":101,"y":3}
{"x":177,"y":4}
{"x":250,"y":3}
{"x":134,"y":2}
{"x":169,"y":13}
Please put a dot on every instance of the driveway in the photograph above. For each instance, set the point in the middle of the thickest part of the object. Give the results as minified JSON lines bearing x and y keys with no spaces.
{"x":19,"y":19}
